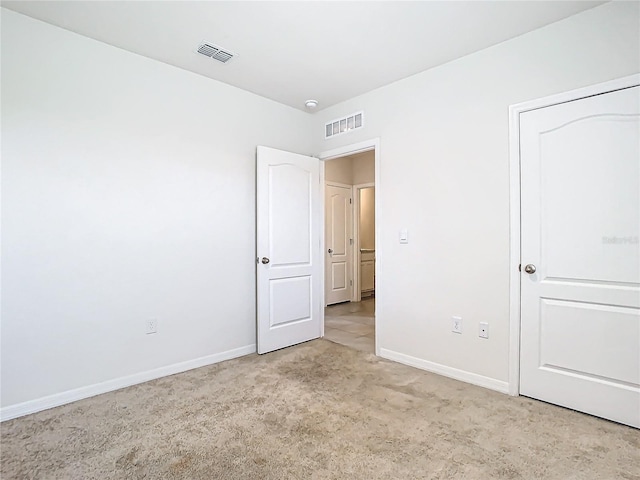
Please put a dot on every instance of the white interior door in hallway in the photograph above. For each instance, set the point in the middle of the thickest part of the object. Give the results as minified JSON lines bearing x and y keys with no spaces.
{"x":289,"y":263}
{"x":338,"y":243}
{"x":580,"y":281}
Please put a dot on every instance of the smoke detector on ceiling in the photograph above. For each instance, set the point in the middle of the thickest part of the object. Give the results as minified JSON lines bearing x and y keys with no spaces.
{"x":214,"y":51}
{"x":311,"y":104}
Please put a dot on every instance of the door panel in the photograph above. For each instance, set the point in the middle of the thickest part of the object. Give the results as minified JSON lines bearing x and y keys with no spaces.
{"x":338,"y":214}
{"x":598,"y":201}
{"x":562,"y":319}
{"x":290,"y":300}
{"x":290,"y":189}
{"x":339,"y":275}
{"x":340,"y":209}
{"x":288,"y":249}
{"x":580,"y":214}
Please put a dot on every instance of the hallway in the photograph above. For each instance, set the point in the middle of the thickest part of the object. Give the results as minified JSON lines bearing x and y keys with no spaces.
{"x":352,"y":324}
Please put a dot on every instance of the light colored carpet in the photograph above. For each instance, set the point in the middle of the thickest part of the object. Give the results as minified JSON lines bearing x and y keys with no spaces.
{"x":315,"y":411}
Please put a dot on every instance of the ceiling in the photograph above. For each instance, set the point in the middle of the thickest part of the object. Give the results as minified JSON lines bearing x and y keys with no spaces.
{"x":293,"y":51}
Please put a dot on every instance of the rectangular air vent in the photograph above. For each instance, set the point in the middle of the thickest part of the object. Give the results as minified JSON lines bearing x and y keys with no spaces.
{"x":213,"y":51}
{"x":344,"y":125}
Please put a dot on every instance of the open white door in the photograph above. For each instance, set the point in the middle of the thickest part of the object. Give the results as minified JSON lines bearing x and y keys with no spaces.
{"x":289,"y":263}
{"x":338,"y":210}
{"x":580,"y":319}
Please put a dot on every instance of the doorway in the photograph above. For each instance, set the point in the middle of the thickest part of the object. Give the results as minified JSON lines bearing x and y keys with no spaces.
{"x":289,"y":236}
{"x":350,"y":248}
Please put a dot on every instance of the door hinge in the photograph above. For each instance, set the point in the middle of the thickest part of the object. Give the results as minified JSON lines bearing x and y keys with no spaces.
{"x":351,"y":241}
{"x":520,"y":267}
{"x":351,"y":283}
{"x":349,"y":201}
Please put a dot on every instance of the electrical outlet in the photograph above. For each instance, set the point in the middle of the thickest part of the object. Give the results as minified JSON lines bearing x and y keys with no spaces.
{"x":456,"y":324}
{"x":152,"y":326}
{"x":484,"y":330}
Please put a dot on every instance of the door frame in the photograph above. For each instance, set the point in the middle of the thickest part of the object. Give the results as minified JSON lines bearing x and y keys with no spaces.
{"x":515,"y":205}
{"x":355,"y":194}
{"x":352,"y":149}
{"x":331,"y":183}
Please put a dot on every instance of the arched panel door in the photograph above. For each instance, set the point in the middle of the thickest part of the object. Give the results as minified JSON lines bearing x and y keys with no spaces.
{"x":289,"y":264}
{"x":580,"y":254}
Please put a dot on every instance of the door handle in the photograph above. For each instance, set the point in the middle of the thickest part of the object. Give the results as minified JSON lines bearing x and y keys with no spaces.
{"x":330,"y":251}
{"x":530,"y":269}
{"x":264,"y":260}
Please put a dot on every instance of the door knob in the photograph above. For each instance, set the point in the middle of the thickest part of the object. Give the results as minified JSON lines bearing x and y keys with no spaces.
{"x":265,"y":260}
{"x":330,"y":250}
{"x":530,"y":269}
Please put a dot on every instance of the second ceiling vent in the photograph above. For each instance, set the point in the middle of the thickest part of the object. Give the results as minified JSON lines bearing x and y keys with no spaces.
{"x":213,"y":51}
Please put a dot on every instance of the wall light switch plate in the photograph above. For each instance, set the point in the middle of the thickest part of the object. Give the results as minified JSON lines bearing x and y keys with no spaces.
{"x":404,"y":236}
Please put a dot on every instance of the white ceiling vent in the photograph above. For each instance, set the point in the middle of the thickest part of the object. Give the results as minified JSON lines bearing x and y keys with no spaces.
{"x":215,"y":52}
{"x":344,"y":125}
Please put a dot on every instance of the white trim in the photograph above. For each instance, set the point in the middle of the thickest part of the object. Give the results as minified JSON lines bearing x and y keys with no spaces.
{"x":372,"y":144}
{"x":355,"y":230}
{"x":357,"y":289}
{"x":597,"y":89}
{"x":336,"y":184}
{"x":514,"y":251}
{"x":323,"y":304}
{"x":514,"y":204}
{"x":462,"y":375}
{"x":55,"y":400}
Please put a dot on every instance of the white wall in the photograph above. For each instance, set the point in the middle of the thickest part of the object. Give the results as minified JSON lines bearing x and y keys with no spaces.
{"x":339,"y":170}
{"x":445,"y":177}
{"x":363,"y":168}
{"x":352,"y":169}
{"x":127,"y":194}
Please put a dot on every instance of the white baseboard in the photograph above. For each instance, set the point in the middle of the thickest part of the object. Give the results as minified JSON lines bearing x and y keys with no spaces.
{"x":462,"y":375}
{"x":44,"y":403}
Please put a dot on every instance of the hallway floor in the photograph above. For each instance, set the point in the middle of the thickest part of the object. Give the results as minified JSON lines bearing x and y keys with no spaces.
{"x":352,"y":324}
